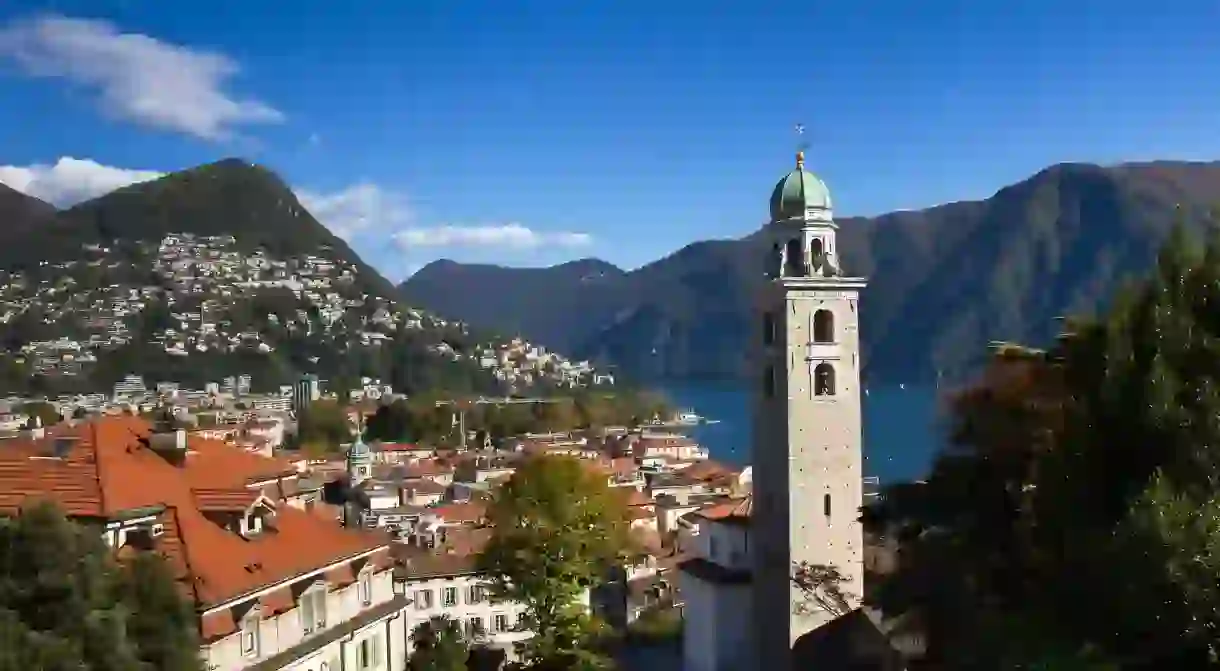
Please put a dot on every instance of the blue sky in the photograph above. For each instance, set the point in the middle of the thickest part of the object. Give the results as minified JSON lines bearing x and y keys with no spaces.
{"x":529,"y":132}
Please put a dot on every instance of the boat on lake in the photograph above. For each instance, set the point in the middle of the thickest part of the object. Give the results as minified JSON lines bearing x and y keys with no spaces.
{"x":686,"y":417}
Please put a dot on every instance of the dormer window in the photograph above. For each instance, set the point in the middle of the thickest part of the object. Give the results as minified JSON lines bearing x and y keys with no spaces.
{"x":251,"y":641}
{"x":312,"y":609}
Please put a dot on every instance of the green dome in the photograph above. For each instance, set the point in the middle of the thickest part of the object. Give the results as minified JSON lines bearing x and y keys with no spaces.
{"x":797,"y":192}
{"x":358,"y":451}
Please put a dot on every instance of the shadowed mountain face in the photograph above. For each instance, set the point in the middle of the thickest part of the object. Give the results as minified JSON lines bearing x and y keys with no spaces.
{"x":943,"y":281}
{"x":20,"y":213}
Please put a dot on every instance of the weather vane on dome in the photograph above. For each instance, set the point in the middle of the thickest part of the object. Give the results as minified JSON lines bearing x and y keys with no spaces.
{"x":802,"y":143}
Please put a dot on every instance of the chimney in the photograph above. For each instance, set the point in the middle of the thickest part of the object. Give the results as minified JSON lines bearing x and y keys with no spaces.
{"x":170,"y":444}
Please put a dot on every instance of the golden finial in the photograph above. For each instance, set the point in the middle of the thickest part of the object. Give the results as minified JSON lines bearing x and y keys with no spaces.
{"x":800,"y":159}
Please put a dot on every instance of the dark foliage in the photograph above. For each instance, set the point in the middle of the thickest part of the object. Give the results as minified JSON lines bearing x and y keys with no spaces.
{"x":65,"y":604}
{"x":1073,"y":521}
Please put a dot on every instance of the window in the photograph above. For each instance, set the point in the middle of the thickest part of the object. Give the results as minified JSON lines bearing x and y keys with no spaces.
{"x":769,"y":382}
{"x":369,"y":653}
{"x":823,"y":326}
{"x":474,"y":594}
{"x":816,"y":252}
{"x":450,"y":599}
{"x":312,"y":610}
{"x":768,"y":328}
{"x":474,"y":627}
{"x":824,"y":380}
{"x":500,"y":623}
{"x":423,"y":599}
{"x":523,"y":620}
{"x":794,"y":264}
{"x":364,"y":588}
{"x":826,"y":506}
{"x":250,"y":636}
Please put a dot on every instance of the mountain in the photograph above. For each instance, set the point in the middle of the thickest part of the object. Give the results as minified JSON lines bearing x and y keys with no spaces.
{"x":213,"y":272}
{"x":943,"y":281}
{"x":19,"y":213}
{"x":565,"y":289}
{"x":228,"y":197}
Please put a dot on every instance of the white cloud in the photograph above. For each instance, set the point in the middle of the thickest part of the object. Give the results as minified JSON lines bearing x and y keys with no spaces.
{"x":379,"y":223}
{"x":70,"y":180}
{"x":136,"y":77}
{"x":357,"y":210}
{"x":506,"y":236}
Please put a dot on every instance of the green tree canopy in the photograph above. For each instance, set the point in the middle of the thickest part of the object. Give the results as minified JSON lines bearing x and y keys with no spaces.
{"x":325,"y":422}
{"x":439,"y":645}
{"x":43,"y":410}
{"x":557,"y":528}
{"x":66,"y":604}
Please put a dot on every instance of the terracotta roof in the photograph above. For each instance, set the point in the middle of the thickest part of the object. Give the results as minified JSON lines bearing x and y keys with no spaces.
{"x":423,"y":486}
{"x":637,"y":498}
{"x":729,"y":511}
{"x":623,"y":466}
{"x":706,"y":469}
{"x":380,"y":446}
{"x":455,"y":556}
{"x":426,"y":468}
{"x":110,"y":471}
{"x":225,"y":499}
{"x":464,"y":512}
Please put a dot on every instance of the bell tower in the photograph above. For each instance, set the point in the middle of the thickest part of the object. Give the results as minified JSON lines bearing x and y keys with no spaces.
{"x":807,"y":449}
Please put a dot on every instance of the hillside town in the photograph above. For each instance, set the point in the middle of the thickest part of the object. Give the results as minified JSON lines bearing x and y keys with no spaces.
{"x":212,"y":296}
{"x":312,"y":563}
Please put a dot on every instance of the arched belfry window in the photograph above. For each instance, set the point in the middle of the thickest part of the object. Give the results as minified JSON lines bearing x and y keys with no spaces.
{"x":768,"y":326}
{"x":794,"y":259}
{"x":823,"y":326}
{"x":824,"y":380}
{"x":816,"y":254}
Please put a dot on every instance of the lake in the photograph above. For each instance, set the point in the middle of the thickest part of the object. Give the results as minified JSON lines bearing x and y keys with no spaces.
{"x":902,"y":426}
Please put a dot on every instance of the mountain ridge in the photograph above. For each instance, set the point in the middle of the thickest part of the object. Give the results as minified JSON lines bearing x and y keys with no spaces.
{"x":943,"y":280}
{"x":210,"y":271}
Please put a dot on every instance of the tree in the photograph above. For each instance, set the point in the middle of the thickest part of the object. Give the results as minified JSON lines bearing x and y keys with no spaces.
{"x":44,"y":411}
{"x":557,"y":527}
{"x":66,"y":604}
{"x":439,"y":645}
{"x":392,"y":423}
{"x":324,"y":422}
{"x":1073,"y":516}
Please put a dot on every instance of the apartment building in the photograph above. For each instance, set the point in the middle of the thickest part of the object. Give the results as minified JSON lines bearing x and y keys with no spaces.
{"x":276,"y":586}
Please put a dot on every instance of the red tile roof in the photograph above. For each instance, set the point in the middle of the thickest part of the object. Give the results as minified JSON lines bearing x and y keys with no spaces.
{"x":426,"y":468}
{"x":111,"y":469}
{"x":732,"y":510}
{"x":456,"y":513}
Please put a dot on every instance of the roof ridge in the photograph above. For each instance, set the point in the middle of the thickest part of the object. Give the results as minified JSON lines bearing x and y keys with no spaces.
{"x":186,"y":556}
{"x":97,"y":468}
